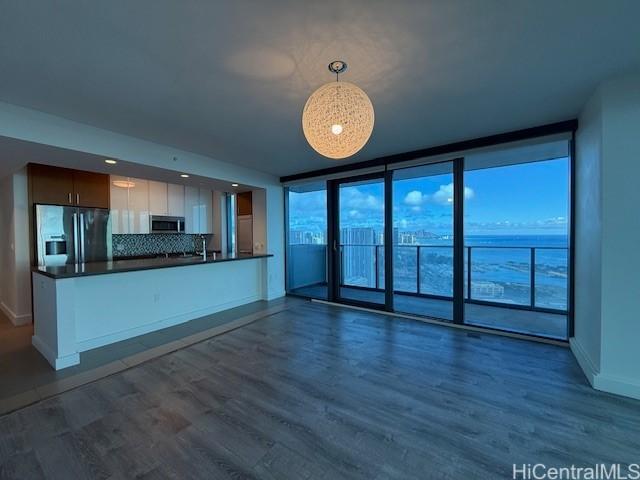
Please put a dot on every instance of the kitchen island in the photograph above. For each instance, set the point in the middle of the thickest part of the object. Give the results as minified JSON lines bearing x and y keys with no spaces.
{"x":85,"y":306}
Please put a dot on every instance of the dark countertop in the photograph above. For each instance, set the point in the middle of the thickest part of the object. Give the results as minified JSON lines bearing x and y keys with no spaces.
{"x":120,"y":266}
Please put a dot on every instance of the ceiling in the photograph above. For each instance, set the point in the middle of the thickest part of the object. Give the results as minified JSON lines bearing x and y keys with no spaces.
{"x":229,"y":79}
{"x":15,"y":154}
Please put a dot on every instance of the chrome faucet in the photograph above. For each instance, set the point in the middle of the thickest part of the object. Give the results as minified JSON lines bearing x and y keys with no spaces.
{"x":204,"y":247}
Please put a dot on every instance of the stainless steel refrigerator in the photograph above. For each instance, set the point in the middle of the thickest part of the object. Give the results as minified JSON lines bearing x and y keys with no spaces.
{"x":72,"y":235}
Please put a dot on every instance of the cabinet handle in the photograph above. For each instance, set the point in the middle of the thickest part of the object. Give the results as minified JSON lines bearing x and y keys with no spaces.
{"x":77,"y":199}
{"x":70,"y":198}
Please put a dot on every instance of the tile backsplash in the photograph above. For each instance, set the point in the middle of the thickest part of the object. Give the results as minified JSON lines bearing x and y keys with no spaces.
{"x":156,"y":243}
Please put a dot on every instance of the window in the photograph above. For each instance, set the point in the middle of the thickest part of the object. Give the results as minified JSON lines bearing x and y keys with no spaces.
{"x":517,"y":238}
{"x":307,"y":240}
{"x":481,"y":239}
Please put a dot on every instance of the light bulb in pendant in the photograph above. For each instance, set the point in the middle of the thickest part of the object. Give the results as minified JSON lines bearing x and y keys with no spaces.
{"x":336,"y":129}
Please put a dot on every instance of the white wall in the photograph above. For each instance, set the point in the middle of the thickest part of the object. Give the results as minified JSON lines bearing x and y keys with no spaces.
{"x":218,"y":216}
{"x":621,"y":232}
{"x":608,"y":235}
{"x":6,"y":235}
{"x":588,"y":223}
{"x":259,"y":218}
{"x":34,"y":126}
{"x":15,"y":286}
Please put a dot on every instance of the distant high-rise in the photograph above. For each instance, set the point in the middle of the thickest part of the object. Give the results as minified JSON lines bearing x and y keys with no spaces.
{"x":359,"y":256}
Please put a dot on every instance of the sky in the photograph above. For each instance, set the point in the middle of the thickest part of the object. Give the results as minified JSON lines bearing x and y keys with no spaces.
{"x":524,"y":199}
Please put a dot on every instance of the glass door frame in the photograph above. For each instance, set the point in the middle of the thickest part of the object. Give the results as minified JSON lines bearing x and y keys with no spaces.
{"x":333,"y":238}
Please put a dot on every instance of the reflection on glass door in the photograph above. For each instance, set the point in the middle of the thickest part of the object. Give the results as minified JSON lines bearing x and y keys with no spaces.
{"x":423,"y":240}
{"x":360,"y":247}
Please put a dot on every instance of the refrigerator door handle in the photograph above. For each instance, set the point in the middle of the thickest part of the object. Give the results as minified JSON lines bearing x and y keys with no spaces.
{"x":81,"y":227}
{"x":76,"y":247}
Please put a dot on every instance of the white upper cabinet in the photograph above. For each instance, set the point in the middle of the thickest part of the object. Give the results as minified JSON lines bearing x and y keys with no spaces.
{"x":175,"y":200}
{"x":206,"y":211}
{"x":119,"y":204}
{"x":158,"y":198}
{"x":191,"y":210}
{"x":134,"y":200}
{"x":198,"y":210}
{"x":138,"y":206}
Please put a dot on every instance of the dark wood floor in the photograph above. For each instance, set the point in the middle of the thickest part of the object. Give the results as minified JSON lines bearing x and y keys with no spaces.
{"x":321,"y":392}
{"x":544,"y":324}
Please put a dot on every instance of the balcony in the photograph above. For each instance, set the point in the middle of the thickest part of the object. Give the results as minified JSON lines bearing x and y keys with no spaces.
{"x":521,"y":289}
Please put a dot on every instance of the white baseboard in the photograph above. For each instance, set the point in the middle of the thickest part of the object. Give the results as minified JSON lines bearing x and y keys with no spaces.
{"x":584,"y":360}
{"x":17,"y":320}
{"x":618,"y":385}
{"x":58,"y":363}
{"x":92,"y":343}
{"x":274,"y":295}
{"x":601,"y":380}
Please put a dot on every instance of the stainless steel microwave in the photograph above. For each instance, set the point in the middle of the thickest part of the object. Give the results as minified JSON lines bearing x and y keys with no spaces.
{"x":163,"y":224}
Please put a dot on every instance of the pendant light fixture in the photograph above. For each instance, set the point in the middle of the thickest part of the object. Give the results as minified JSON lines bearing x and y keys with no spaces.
{"x":337,"y":119}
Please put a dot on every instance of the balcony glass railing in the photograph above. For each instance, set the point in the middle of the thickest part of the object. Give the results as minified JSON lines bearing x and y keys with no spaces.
{"x":531,"y":277}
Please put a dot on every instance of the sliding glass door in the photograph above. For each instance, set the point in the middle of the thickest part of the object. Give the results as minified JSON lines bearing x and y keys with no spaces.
{"x":482,"y":240}
{"x":423,"y":240}
{"x":359,"y":246}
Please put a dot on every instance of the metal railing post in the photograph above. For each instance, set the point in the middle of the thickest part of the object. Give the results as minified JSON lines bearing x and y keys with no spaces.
{"x":341,"y":265}
{"x":377,"y":283}
{"x":469,"y":273}
{"x":418,"y":269}
{"x":532,"y":285}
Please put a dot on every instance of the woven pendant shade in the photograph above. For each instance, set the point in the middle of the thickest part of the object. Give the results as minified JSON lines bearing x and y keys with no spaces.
{"x":337,"y":120}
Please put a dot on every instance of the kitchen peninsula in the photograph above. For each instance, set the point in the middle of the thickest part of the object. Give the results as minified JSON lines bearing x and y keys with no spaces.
{"x":85,"y":306}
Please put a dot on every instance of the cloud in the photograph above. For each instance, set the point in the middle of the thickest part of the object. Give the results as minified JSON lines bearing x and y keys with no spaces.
{"x":354,"y":198}
{"x":444,"y":196}
{"x":414,"y":198}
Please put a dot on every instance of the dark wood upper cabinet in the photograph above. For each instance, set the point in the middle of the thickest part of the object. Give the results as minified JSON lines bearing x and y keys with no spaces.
{"x":63,"y":186}
{"x":51,"y":185}
{"x":245,"y":203}
{"x":91,"y":189}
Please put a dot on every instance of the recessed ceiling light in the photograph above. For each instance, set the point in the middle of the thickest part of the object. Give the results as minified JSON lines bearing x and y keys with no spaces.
{"x":110,"y":162}
{"x":184,"y":175}
{"x":234,"y":184}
